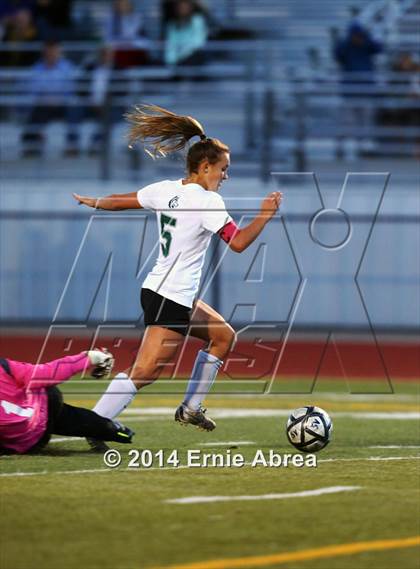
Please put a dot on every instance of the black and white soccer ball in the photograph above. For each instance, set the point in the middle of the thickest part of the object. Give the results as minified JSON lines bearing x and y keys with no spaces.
{"x":309,"y":428}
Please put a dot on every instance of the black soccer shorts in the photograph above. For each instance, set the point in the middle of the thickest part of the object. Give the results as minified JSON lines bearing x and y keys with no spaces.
{"x":160,"y":311}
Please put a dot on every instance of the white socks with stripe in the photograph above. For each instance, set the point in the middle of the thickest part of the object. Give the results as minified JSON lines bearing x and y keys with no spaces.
{"x":117,"y":397}
{"x":121,"y":390}
{"x":203,"y":375}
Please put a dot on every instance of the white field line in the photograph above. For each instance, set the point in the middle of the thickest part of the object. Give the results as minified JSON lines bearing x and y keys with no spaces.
{"x":284,"y":496}
{"x":60,"y":472}
{"x":183,"y":467}
{"x":252,"y":413}
{"x":385,"y":458}
{"x":394,"y":446}
{"x":211,"y":444}
{"x":364,"y":397}
{"x":330,"y":395}
{"x":227,"y":443}
{"x":147,"y":418}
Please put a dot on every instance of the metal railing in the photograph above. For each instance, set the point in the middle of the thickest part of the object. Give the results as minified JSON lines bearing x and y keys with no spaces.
{"x":381,"y":117}
{"x":272,"y":116}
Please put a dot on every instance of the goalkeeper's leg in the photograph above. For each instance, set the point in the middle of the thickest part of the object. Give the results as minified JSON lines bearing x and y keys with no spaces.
{"x":79,"y":422}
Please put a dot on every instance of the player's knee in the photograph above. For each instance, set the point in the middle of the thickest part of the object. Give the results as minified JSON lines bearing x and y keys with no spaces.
{"x":231,"y":337}
{"x":227,"y":338}
{"x":234,"y":339}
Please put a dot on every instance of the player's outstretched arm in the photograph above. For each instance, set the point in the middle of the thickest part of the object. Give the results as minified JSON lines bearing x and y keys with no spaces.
{"x":244,"y":237}
{"x":115,"y":202}
{"x":98,"y":361}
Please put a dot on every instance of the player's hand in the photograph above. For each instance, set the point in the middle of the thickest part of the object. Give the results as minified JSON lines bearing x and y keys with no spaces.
{"x":90,"y":202}
{"x":101,"y":361}
{"x":271,"y":204}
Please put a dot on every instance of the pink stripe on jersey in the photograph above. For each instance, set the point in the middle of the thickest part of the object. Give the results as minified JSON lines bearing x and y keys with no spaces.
{"x":24,"y":401}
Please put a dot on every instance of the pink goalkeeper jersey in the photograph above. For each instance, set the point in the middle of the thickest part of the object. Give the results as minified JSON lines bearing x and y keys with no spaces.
{"x":24,"y":401}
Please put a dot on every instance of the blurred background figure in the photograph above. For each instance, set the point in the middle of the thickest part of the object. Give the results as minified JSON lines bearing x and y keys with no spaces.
{"x":355,"y":55}
{"x":52,"y":87}
{"x":103,"y":93}
{"x":313,"y":72}
{"x":9,"y":7}
{"x":405,"y":80}
{"x":186,"y":33}
{"x":124,"y":30}
{"x":168,"y":13}
{"x":19,"y":28}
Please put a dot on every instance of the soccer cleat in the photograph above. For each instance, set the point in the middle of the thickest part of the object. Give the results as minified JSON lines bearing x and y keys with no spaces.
{"x":123,"y":434}
{"x":118,"y":433}
{"x":186,"y":416}
{"x":96,"y":445}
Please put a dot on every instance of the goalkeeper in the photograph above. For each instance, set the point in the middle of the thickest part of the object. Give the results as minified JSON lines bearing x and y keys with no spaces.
{"x":32,"y":407}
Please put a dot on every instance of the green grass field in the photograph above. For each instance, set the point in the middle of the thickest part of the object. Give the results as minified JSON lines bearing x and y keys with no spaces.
{"x":66,"y":509}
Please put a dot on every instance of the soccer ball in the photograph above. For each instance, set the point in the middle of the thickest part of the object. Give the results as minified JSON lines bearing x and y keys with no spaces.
{"x":309,"y":428}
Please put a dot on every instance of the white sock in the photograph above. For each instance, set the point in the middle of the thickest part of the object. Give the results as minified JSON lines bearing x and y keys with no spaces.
{"x":117,"y":397}
{"x":203,"y":375}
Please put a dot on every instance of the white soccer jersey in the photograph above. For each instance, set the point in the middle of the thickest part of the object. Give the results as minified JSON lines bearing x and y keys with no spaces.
{"x":187,"y":216}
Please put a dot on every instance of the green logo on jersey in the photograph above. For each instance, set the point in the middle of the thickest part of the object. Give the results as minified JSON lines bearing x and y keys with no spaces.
{"x":174,"y":202}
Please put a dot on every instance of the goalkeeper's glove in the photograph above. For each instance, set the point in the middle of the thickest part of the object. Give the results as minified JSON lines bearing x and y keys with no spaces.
{"x":102,"y":362}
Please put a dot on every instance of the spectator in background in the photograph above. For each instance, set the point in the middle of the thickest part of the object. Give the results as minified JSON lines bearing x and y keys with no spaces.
{"x":356,"y":53}
{"x":123,"y":30}
{"x":100,"y":75}
{"x":405,"y":84}
{"x":123,"y":24}
{"x":103,"y":87}
{"x":168,"y":11}
{"x":9,"y":7}
{"x":405,"y":63}
{"x":20,"y":29}
{"x":185,"y":35}
{"x":100,"y":71}
{"x":52,"y":87}
{"x":314,"y":71}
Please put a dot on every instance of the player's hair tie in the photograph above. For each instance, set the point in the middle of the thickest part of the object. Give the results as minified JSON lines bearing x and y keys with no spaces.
{"x":203,"y":137}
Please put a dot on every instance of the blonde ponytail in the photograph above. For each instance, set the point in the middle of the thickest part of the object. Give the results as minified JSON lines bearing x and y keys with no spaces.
{"x":161,"y":131}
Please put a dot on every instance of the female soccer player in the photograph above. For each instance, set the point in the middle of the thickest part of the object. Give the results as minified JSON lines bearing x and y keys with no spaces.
{"x":32,"y":408}
{"x":189,"y":212}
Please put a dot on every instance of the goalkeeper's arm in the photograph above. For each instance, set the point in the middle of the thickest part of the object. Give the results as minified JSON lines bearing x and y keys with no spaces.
{"x":98,"y":362}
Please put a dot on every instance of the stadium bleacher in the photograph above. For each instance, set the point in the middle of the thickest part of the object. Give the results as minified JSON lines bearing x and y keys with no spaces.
{"x":275,"y":62}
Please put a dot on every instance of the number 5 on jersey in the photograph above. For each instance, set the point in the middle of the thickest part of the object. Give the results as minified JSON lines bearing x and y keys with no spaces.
{"x":165,"y":223}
